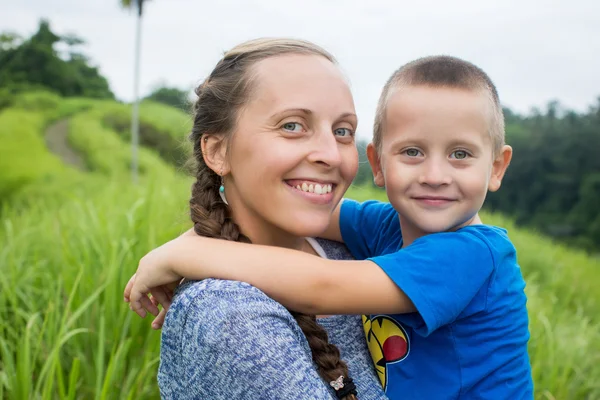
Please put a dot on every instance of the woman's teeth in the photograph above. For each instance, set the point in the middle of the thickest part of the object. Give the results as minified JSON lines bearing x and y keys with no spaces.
{"x":315,"y":188}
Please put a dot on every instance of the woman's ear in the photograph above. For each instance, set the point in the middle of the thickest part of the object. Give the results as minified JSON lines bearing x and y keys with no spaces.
{"x":214,"y":152}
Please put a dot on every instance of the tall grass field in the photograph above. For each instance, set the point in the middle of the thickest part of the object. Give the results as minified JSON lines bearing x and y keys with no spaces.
{"x":71,"y":236}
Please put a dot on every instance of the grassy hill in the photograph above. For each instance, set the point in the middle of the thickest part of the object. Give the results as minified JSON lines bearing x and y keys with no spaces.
{"x":71,"y":235}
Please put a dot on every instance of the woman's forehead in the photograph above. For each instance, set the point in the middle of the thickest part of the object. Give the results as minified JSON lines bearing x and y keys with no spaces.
{"x":299,"y":81}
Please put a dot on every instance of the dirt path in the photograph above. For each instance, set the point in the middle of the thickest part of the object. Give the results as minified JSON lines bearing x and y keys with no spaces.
{"x":56,"y":140}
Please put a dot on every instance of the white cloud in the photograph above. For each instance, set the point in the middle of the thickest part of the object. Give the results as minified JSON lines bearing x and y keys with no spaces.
{"x":534,"y":51}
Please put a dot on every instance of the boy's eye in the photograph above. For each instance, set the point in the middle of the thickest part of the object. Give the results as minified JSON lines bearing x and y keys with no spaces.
{"x":292,"y":127}
{"x":412,"y":152}
{"x":343,"y":132}
{"x":459,"y":154}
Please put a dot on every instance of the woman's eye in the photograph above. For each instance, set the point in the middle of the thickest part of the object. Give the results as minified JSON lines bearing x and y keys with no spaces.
{"x":292,"y":126}
{"x":459,"y":154}
{"x":412,"y":152}
{"x":344,"y":132}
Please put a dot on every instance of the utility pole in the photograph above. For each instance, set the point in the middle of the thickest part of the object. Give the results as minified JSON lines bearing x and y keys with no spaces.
{"x":135,"y":125}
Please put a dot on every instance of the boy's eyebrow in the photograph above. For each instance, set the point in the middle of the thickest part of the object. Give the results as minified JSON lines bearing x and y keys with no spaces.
{"x":413,"y":141}
{"x":465,"y":142}
{"x":419,"y":142}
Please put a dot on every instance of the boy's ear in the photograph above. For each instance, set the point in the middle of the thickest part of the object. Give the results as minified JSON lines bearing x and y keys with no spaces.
{"x":214,"y":152}
{"x":499,"y":167}
{"x":375,"y":162}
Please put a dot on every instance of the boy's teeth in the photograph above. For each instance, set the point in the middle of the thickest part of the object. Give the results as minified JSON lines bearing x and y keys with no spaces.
{"x":315,"y":188}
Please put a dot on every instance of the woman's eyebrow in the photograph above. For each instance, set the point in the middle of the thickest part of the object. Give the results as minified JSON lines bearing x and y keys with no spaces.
{"x":305,"y":111}
{"x":348,"y":115}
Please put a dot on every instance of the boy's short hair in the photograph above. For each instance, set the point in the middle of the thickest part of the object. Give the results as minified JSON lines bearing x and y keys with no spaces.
{"x":443,"y":71}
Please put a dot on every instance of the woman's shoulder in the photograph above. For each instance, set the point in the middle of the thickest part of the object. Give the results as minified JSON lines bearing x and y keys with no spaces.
{"x":225,"y":298}
{"x":215,"y":314}
{"x":226,"y":339}
{"x":334,"y":250}
{"x":191,"y":289}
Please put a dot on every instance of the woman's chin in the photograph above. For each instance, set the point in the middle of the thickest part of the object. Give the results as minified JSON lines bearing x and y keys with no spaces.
{"x":311,"y":225}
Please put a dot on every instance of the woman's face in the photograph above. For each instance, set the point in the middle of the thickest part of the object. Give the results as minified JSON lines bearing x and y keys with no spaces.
{"x":292,"y":155}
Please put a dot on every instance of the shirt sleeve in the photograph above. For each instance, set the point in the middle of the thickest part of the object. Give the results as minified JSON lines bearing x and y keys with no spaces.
{"x":368,"y":228}
{"x":245,"y":346}
{"x":441,"y":273}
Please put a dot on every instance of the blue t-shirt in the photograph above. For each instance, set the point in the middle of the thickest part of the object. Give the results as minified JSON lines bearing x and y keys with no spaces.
{"x":468,"y":338}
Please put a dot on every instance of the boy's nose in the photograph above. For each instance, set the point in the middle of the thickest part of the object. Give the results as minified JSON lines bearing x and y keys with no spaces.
{"x":435,"y":174}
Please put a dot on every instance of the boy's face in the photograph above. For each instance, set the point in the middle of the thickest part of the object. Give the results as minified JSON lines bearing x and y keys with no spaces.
{"x":436,"y":158}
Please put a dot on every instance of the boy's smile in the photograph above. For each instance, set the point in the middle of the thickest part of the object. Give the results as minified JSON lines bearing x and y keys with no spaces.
{"x":436,"y":159}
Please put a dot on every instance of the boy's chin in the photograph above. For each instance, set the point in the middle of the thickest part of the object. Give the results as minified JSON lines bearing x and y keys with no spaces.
{"x":437,"y":227}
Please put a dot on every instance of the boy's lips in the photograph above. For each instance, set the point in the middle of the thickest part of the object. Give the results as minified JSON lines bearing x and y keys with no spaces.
{"x":435,"y":200}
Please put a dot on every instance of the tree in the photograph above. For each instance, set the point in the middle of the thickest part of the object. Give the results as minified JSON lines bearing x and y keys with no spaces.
{"x":35,"y":64}
{"x":171,"y":96}
{"x":135,"y":127}
{"x":553,"y":182}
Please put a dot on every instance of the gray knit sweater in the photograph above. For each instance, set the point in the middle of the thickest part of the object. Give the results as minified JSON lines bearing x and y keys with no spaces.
{"x":228,"y":340}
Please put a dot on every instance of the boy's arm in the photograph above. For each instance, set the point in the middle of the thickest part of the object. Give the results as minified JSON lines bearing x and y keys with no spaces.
{"x":300,"y":281}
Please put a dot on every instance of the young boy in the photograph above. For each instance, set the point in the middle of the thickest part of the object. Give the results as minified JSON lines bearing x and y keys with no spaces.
{"x":442,"y":293}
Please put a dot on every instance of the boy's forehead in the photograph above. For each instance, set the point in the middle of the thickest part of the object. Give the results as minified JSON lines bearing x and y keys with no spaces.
{"x":437,"y":100}
{"x":422,"y":109}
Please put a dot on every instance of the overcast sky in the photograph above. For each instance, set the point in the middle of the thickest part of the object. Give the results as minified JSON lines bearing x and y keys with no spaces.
{"x":534,"y":50}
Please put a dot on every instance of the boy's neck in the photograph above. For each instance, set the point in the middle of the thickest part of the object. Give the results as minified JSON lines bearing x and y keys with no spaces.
{"x":411,"y":232}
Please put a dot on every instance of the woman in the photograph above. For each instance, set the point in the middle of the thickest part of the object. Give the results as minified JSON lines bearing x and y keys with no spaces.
{"x":273,"y":139}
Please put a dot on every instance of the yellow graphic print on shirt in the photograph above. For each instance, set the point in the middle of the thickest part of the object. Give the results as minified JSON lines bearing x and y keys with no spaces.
{"x":387,"y":341}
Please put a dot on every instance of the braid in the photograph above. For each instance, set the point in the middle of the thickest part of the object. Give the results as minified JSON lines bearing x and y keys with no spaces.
{"x":220,"y":97}
{"x":324,"y":354}
{"x":210,"y":215}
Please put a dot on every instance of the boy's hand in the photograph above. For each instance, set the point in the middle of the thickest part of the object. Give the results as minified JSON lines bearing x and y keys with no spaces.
{"x":154,"y":276}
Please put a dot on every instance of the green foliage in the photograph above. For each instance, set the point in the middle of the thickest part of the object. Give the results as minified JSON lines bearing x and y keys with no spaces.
{"x":30,"y":170}
{"x":552,"y":182}
{"x":62,"y":270}
{"x":170,"y":96}
{"x":137,"y":5}
{"x":34,"y":64}
{"x":162,"y":128}
{"x":364,"y":176}
{"x":37,"y":101}
{"x":24,"y":158}
{"x":105,"y":152}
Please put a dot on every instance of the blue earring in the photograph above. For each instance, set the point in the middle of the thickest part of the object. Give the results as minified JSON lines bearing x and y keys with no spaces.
{"x":222,"y":191}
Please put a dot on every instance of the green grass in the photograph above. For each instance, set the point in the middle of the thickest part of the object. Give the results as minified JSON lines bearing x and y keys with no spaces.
{"x":70,"y":240}
{"x":162,"y":128}
{"x":24,"y":157}
{"x":105,"y":151}
{"x":64,"y":329}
